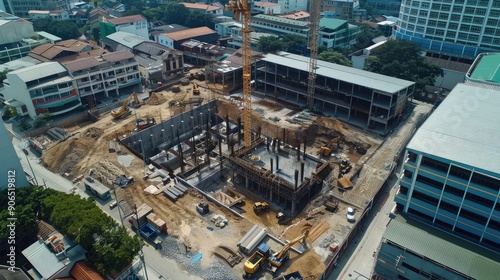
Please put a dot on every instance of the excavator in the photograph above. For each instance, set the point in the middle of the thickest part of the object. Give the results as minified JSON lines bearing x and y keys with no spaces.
{"x":196,"y":90}
{"x":277,"y":259}
{"x":124,"y":110}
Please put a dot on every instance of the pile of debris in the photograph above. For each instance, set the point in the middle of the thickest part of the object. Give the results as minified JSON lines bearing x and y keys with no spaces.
{"x":219,"y":220}
{"x":106,"y":172}
{"x":93,"y":132}
{"x":156,"y":98}
{"x":58,"y":133}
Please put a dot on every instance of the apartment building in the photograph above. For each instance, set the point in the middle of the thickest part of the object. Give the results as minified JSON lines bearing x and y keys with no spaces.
{"x":52,"y":15}
{"x":135,"y":24}
{"x":367,"y":100}
{"x":456,"y":28}
{"x":22,"y":8}
{"x":267,"y":8}
{"x":42,"y":88}
{"x":385,"y":7}
{"x":451,"y":174}
{"x":100,"y":77}
{"x":288,"y":6}
{"x":342,"y":9}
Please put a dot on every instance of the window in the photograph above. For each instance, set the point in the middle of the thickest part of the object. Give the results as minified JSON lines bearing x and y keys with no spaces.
{"x":488,"y":182}
{"x":425,"y":198}
{"x":464,"y":213}
{"x":466,"y":234}
{"x":420,"y":215}
{"x":455,"y":191}
{"x":494,"y":224}
{"x":479,"y":199}
{"x":434,"y":164}
{"x":428,"y":181}
{"x":442,"y":224}
{"x":460,"y":172}
{"x":448,"y":207}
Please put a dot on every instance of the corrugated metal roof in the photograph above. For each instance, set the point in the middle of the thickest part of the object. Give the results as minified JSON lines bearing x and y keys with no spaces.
{"x":190,"y":33}
{"x":340,"y":72}
{"x":127,"y":39}
{"x":444,"y":248}
{"x":38,"y":71}
{"x":331,"y":23}
{"x":464,"y":129}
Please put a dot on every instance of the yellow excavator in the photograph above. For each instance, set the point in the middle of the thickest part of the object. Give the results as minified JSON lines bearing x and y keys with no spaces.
{"x":196,"y":90}
{"x":124,"y":110}
{"x":277,"y":259}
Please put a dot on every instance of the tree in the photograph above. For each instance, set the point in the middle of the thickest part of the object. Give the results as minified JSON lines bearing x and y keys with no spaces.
{"x":3,"y":75}
{"x":176,"y":13}
{"x":270,"y":44}
{"x":9,"y":112}
{"x":24,"y":124}
{"x":295,"y":43}
{"x":334,"y":57}
{"x":402,"y":59}
{"x":65,"y":29}
{"x":198,"y":19}
{"x":42,"y":120}
{"x":96,"y":34}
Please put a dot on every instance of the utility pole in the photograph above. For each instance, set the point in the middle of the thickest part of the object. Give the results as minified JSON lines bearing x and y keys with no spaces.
{"x":141,"y":253}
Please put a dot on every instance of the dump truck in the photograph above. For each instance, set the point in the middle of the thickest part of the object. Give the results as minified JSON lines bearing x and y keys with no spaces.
{"x":124,"y":110}
{"x":253,"y":264}
{"x":260,"y":207}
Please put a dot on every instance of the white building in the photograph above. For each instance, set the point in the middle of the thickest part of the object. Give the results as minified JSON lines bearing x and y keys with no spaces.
{"x":43,"y":88}
{"x":228,"y":29}
{"x":135,"y":24}
{"x":216,"y":9}
{"x":14,"y":29}
{"x":53,"y":15}
{"x":288,"y":6}
{"x":267,"y":8}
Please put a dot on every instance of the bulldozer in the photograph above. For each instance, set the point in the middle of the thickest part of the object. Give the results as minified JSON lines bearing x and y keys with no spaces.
{"x":196,"y":89}
{"x":124,"y":110}
{"x":260,"y":207}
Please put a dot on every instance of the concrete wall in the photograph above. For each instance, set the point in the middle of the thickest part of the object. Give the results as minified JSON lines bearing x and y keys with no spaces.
{"x":67,"y":122}
{"x":180,"y":127}
{"x":10,"y":166}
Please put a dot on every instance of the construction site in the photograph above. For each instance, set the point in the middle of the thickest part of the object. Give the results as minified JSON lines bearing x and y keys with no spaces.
{"x":241,"y":184}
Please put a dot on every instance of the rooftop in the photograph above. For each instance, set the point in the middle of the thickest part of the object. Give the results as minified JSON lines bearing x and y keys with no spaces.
{"x":22,"y":62}
{"x":340,"y":72}
{"x":463,"y":129}
{"x":126,"y":19}
{"x":126,"y":39}
{"x":284,"y":21}
{"x":49,"y":36}
{"x":100,"y":60}
{"x":203,"y":7}
{"x":38,"y":71}
{"x":190,"y":33}
{"x":331,"y":23}
{"x":296,"y":15}
{"x":486,"y":68}
{"x":266,"y":4}
{"x":81,"y":271}
{"x":444,"y":248}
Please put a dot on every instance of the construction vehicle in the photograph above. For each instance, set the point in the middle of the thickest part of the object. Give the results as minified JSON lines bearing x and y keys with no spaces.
{"x":202,"y":208}
{"x":242,"y":11}
{"x":196,"y":89}
{"x":124,"y":110}
{"x":259,"y":207}
{"x":253,"y":264}
{"x":332,"y":205}
{"x":331,"y":146}
{"x":277,"y":259}
{"x":141,"y":124}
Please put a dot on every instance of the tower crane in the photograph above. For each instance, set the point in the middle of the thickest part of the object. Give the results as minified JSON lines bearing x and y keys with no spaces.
{"x":241,"y":12}
{"x":313,"y":47}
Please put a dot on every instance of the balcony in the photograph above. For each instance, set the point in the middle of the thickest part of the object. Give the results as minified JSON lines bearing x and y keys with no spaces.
{"x":50,"y":103}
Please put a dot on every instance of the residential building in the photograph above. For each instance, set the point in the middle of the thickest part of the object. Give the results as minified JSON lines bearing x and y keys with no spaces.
{"x":450,"y":178}
{"x":53,"y":255}
{"x":135,"y":24}
{"x":215,"y":9}
{"x":202,"y":53}
{"x":278,"y":25}
{"x":368,"y":100}
{"x":14,"y":29}
{"x":341,"y":9}
{"x":158,"y":63}
{"x":288,"y":6}
{"x":297,"y":15}
{"x":21,"y":8}
{"x":60,"y":14}
{"x":413,"y":250}
{"x":81,"y":271}
{"x":454,"y":28}
{"x":164,"y":29}
{"x":385,"y":7}
{"x":10,"y":166}
{"x":267,"y":8}
{"x":174,"y":40}
{"x":122,"y":40}
{"x":230,"y":33}
{"x":42,"y":88}
{"x":103,"y":76}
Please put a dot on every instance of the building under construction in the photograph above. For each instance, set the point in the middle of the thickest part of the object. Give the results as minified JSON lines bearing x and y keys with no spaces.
{"x":270,"y":168}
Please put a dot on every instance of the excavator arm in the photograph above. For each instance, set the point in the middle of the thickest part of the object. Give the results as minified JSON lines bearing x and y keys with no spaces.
{"x":287,"y":247}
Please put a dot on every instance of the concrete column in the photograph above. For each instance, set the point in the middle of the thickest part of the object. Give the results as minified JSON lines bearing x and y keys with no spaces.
{"x":293,"y":207}
{"x":271,"y":195}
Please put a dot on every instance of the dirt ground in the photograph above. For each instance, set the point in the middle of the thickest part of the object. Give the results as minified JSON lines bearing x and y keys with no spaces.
{"x":88,"y":149}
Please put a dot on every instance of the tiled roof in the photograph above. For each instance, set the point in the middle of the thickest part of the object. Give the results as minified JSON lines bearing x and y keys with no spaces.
{"x":126,"y":19}
{"x":266,"y":4}
{"x":190,"y":33}
{"x":81,"y":271}
{"x":200,"y":6}
{"x":45,"y":230}
{"x":48,"y":51}
{"x":99,"y":61}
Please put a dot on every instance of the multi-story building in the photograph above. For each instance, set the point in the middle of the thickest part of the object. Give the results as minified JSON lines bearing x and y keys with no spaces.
{"x":413,"y":250}
{"x":288,"y":6}
{"x":267,"y":8}
{"x":215,"y":9}
{"x":368,"y":100}
{"x":174,"y":40}
{"x":10,"y":166}
{"x":451,"y":174}
{"x":53,"y":15}
{"x":456,"y":28}
{"x":385,"y":7}
{"x":103,"y":76}
{"x":341,"y":9}
{"x":43,"y":88}
{"x":22,"y":8}
{"x":297,"y":15}
{"x":135,"y":24}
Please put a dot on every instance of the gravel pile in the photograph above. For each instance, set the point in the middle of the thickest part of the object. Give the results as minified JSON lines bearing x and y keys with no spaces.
{"x":172,"y":248}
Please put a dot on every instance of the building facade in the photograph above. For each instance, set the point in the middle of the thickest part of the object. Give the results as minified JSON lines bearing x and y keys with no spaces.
{"x":385,"y":7}
{"x":451,"y":174}
{"x":358,"y":97}
{"x":342,"y":9}
{"x":14,"y":29}
{"x":215,"y":9}
{"x":53,"y":15}
{"x":42,"y":88}
{"x":457,"y":28}
{"x":288,"y":6}
{"x":267,"y":8}
{"x":104,"y":75}
{"x":175,"y":39}
{"x":10,"y":166}
{"x":22,"y":8}
{"x":135,"y":24}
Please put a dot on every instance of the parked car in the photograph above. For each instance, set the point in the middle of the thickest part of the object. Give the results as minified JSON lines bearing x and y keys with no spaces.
{"x":350,"y":215}
{"x":113,"y":204}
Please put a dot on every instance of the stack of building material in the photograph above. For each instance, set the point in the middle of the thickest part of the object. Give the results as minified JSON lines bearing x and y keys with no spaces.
{"x":318,"y":230}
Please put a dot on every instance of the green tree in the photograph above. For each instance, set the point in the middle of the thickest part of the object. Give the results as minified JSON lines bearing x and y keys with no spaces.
{"x":270,"y":44}
{"x":65,"y":29}
{"x":96,"y":34}
{"x":9,"y":112}
{"x":176,"y":13}
{"x":42,"y":120}
{"x":402,"y":59}
{"x":198,"y":19}
{"x":295,"y":43}
{"x":334,"y":57}
{"x":24,"y":124}
{"x":3,"y":75}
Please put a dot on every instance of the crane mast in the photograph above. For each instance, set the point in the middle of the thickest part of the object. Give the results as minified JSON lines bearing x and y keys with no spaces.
{"x":313,"y":47}
{"x":241,"y":11}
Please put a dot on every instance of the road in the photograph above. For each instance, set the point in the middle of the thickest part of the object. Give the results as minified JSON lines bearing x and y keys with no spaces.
{"x":358,"y":261}
{"x":158,"y":267}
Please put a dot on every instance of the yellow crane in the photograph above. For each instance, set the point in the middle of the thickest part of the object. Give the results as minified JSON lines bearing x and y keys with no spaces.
{"x":241,"y":12}
{"x":313,"y":47}
{"x":277,"y":259}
